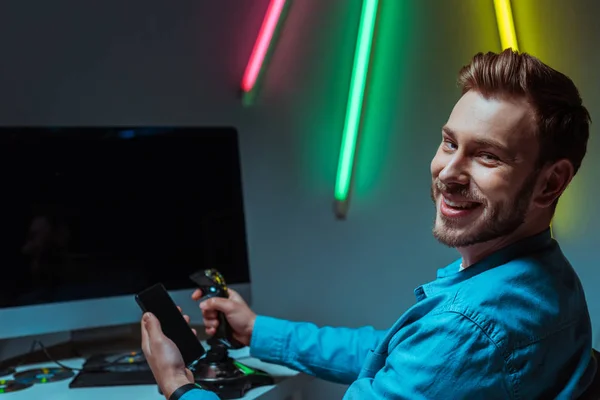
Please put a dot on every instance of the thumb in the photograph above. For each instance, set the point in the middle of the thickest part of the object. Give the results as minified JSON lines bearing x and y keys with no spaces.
{"x":152,"y":325}
{"x":222,"y":304}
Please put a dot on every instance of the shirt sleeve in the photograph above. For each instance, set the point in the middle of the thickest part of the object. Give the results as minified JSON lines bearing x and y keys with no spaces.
{"x":440,"y":356}
{"x":333,"y":354}
{"x":199,"y":394}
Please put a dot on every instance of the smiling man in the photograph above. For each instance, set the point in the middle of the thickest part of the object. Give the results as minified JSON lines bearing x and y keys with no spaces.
{"x":508,"y":319}
{"x":511,"y":146}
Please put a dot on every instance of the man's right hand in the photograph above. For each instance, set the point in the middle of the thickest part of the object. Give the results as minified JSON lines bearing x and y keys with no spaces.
{"x":238,"y":314}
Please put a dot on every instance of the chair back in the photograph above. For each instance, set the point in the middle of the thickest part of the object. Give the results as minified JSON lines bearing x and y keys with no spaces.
{"x":593,"y":392}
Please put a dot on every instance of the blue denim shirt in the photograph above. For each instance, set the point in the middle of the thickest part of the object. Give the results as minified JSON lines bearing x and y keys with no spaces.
{"x":513,"y":326}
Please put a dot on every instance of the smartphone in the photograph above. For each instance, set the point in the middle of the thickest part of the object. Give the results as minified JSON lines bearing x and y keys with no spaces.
{"x":157,"y":300}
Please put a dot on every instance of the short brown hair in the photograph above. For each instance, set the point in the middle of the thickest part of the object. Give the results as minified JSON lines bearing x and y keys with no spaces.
{"x":561,"y":122}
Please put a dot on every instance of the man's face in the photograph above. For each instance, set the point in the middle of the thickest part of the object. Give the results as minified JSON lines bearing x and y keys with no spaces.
{"x":483,"y":174}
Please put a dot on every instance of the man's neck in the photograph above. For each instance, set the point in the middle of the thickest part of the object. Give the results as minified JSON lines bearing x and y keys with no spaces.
{"x":477,"y":252}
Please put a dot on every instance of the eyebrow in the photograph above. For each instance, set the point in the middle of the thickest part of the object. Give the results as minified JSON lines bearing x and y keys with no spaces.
{"x":484,"y":142}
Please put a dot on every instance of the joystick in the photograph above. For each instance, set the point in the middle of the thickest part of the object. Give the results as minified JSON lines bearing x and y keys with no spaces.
{"x":217,"y":371}
{"x":212,"y":284}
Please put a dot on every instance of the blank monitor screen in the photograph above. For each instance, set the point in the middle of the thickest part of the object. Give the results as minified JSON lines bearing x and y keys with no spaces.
{"x":99,"y":212}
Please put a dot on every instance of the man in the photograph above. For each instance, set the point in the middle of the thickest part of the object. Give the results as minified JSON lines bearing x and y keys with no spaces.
{"x":508,"y":319}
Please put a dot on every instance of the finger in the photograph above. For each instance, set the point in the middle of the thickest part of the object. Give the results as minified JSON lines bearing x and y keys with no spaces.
{"x":209,"y":314}
{"x":235,"y":296}
{"x":180,"y":310}
{"x":187,"y":318}
{"x":189,"y":375}
{"x":219,"y":304}
{"x":213,"y":323}
{"x":195,"y":332}
{"x":145,"y":339}
{"x":197,"y":295}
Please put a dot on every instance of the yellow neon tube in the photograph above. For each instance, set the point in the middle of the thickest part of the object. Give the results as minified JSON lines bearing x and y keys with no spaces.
{"x":506,"y":25}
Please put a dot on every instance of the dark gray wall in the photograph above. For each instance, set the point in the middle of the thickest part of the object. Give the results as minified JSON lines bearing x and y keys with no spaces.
{"x":68,"y":62}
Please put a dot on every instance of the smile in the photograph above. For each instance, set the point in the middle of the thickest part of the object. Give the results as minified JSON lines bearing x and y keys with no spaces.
{"x":464,"y":205}
{"x":458,"y":209}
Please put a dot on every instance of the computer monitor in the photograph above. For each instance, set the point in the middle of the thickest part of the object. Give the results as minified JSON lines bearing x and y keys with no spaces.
{"x":91,"y":216}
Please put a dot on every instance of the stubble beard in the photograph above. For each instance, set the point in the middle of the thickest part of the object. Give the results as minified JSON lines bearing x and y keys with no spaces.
{"x":494,"y":221}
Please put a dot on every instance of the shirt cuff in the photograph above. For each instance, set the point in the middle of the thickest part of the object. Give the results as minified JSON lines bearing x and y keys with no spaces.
{"x":198,"y":394}
{"x":269,"y":338}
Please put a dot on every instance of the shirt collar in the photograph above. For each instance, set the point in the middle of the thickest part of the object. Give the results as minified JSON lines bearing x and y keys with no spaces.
{"x":451,"y":274}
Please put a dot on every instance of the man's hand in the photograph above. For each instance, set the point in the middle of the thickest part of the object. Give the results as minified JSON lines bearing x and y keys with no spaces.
{"x":163,"y":357}
{"x":187,"y":319}
{"x":238,"y":314}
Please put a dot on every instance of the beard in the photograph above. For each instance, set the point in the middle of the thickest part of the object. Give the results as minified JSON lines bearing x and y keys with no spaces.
{"x":496,"y":219}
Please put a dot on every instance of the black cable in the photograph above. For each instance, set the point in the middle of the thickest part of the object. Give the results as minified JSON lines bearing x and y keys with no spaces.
{"x":99,"y":368}
{"x":52,"y":359}
{"x":22,"y":359}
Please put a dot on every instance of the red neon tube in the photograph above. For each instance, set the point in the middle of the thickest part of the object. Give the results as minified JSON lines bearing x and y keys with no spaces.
{"x":262,"y":44}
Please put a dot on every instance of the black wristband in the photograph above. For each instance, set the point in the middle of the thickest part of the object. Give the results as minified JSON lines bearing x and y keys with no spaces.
{"x":183,"y":390}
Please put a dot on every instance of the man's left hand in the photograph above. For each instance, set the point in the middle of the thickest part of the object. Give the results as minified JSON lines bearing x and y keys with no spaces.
{"x":163,"y":357}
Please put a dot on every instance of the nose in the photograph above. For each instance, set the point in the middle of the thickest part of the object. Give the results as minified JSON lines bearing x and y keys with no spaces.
{"x":455,"y":171}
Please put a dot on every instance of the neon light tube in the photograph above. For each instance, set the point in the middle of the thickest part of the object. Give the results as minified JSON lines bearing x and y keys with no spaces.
{"x":261,"y":46}
{"x":506,"y":25}
{"x":355,"y":99}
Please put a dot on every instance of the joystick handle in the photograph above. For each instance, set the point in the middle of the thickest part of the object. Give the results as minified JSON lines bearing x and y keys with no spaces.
{"x":212,"y":284}
{"x":224,"y":330}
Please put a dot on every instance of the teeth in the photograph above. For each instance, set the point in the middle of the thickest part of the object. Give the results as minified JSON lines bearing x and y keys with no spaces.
{"x":459,"y":204}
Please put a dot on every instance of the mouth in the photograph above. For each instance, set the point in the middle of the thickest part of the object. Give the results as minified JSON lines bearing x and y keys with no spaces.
{"x":457,"y":209}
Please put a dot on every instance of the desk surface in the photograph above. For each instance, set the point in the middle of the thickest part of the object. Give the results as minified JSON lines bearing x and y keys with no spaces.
{"x":290,"y":383}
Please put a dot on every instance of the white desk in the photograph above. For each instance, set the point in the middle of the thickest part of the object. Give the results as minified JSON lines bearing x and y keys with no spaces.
{"x":290,"y":386}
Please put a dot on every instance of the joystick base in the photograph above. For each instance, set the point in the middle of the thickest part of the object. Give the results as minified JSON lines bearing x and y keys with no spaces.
{"x":228,"y":378}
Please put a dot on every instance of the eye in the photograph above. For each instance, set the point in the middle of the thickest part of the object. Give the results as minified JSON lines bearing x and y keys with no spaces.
{"x":449,"y":145}
{"x":489,"y":158}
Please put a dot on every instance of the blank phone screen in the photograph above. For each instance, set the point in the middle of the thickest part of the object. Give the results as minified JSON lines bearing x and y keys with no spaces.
{"x":157,"y":300}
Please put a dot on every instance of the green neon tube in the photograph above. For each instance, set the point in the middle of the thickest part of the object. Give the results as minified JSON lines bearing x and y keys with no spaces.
{"x":355,"y":99}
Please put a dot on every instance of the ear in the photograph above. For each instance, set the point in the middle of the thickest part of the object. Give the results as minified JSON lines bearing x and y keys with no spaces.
{"x":553,"y":181}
